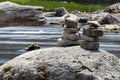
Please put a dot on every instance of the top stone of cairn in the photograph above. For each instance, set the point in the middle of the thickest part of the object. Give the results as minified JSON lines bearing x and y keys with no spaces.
{"x":71,"y":21}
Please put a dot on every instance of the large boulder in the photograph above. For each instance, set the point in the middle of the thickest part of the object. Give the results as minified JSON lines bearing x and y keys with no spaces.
{"x":70,"y":63}
{"x":104,"y":18}
{"x":115,"y":8}
{"x":12,"y":14}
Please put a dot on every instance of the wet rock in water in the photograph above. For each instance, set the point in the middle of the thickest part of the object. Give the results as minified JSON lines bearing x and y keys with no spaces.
{"x":59,"y":20}
{"x":83,"y":20}
{"x":12,"y":14}
{"x":114,"y":8}
{"x":60,"y":12}
{"x":108,"y":19}
{"x":62,"y":63}
{"x":32,"y":47}
{"x":104,"y":18}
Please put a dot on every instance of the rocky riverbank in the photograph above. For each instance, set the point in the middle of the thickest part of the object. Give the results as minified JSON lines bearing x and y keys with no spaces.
{"x":62,"y":63}
{"x":12,"y":14}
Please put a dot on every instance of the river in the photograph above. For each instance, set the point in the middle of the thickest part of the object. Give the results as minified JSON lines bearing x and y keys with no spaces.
{"x":14,"y":39}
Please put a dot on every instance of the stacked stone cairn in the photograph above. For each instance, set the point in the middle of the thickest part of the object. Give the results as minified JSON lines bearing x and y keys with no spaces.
{"x":92,"y":34}
{"x":70,"y":35}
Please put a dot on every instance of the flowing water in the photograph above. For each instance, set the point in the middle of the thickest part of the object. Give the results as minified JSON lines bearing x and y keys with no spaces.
{"x":13,"y":40}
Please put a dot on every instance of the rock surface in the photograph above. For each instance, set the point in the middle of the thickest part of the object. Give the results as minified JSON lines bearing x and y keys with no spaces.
{"x":64,"y":63}
{"x":12,"y":14}
{"x":104,"y":18}
{"x":60,"y":12}
{"x":114,"y":8}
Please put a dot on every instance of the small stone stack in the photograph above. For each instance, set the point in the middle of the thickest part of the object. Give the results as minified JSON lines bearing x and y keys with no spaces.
{"x":92,"y":34}
{"x":70,"y":36}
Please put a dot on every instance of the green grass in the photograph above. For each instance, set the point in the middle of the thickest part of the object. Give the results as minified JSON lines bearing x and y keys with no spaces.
{"x":52,"y":5}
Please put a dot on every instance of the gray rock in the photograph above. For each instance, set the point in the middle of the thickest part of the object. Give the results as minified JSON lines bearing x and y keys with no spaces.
{"x":60,"y":12}
{"x":93,"y":23}
{"x":71,"y":30}
{"x":71,"y":21}
{"x":86,"y":38}
{"x":108,"y":19}
{"x":63,"y":63}
{"x":66,"y":42}
{"x":92,"y":32}
{"x":72,"y":36}
{"x":104,"y":18}
{"x":114,"y":8}
{"x":86,"y":75}
{"x":89,"y":45}
{"x":12,"y":14}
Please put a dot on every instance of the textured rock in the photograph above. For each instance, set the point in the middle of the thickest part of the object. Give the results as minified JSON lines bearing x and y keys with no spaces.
{"x":104,"y":18}
{"x":12,"y":14}
{"x":68,"y":63}
{"x":71,"y":30}
{"x":114,"y":8}
{"x":93,"y":23}
{"x":60,"y":12}
{"x":111,"y":28}
{"x":86,"y":38}
{"x":92,"y":32}
{"x":66,"y":42}
{"x":71,"y":21}
{"x":89,"y":45}
{"x":73,"y":36}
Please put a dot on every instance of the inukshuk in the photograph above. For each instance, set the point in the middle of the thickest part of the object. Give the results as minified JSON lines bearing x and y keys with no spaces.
{"x":70,"y":35}
{"x":92,"y":34}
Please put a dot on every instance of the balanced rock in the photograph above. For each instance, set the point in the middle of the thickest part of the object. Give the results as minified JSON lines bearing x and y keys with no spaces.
{"x":73,"y":36}
{"x":12,"y":14}
{"x":89,"y":45}
{"x":71,"y":21}
{"x":71,"y":30}
{"x":86,"y":38}
{"x":92,"y":32}
{"x":93,"y":23}
{"x":66,"y":42}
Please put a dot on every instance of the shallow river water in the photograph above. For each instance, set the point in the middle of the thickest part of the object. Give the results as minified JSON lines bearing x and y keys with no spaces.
{"x":13,"y":40}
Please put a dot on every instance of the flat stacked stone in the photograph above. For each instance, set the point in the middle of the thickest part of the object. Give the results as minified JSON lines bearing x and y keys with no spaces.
{"x":92,"y":34}
{"x":70,"y":35}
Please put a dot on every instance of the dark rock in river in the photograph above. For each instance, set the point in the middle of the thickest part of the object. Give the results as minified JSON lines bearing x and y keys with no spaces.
{"x":60,"y":12}
{"x":63,"y":63}
{"x":32,"y":47}
{"x":12,"y":14}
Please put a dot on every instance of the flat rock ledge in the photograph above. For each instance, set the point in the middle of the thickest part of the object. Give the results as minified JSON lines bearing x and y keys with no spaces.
{"x":62,"y":63}
{"x":12,"y":14}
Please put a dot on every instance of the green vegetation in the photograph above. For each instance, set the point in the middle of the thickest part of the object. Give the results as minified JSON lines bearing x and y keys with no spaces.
{"x":52,"y":5}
